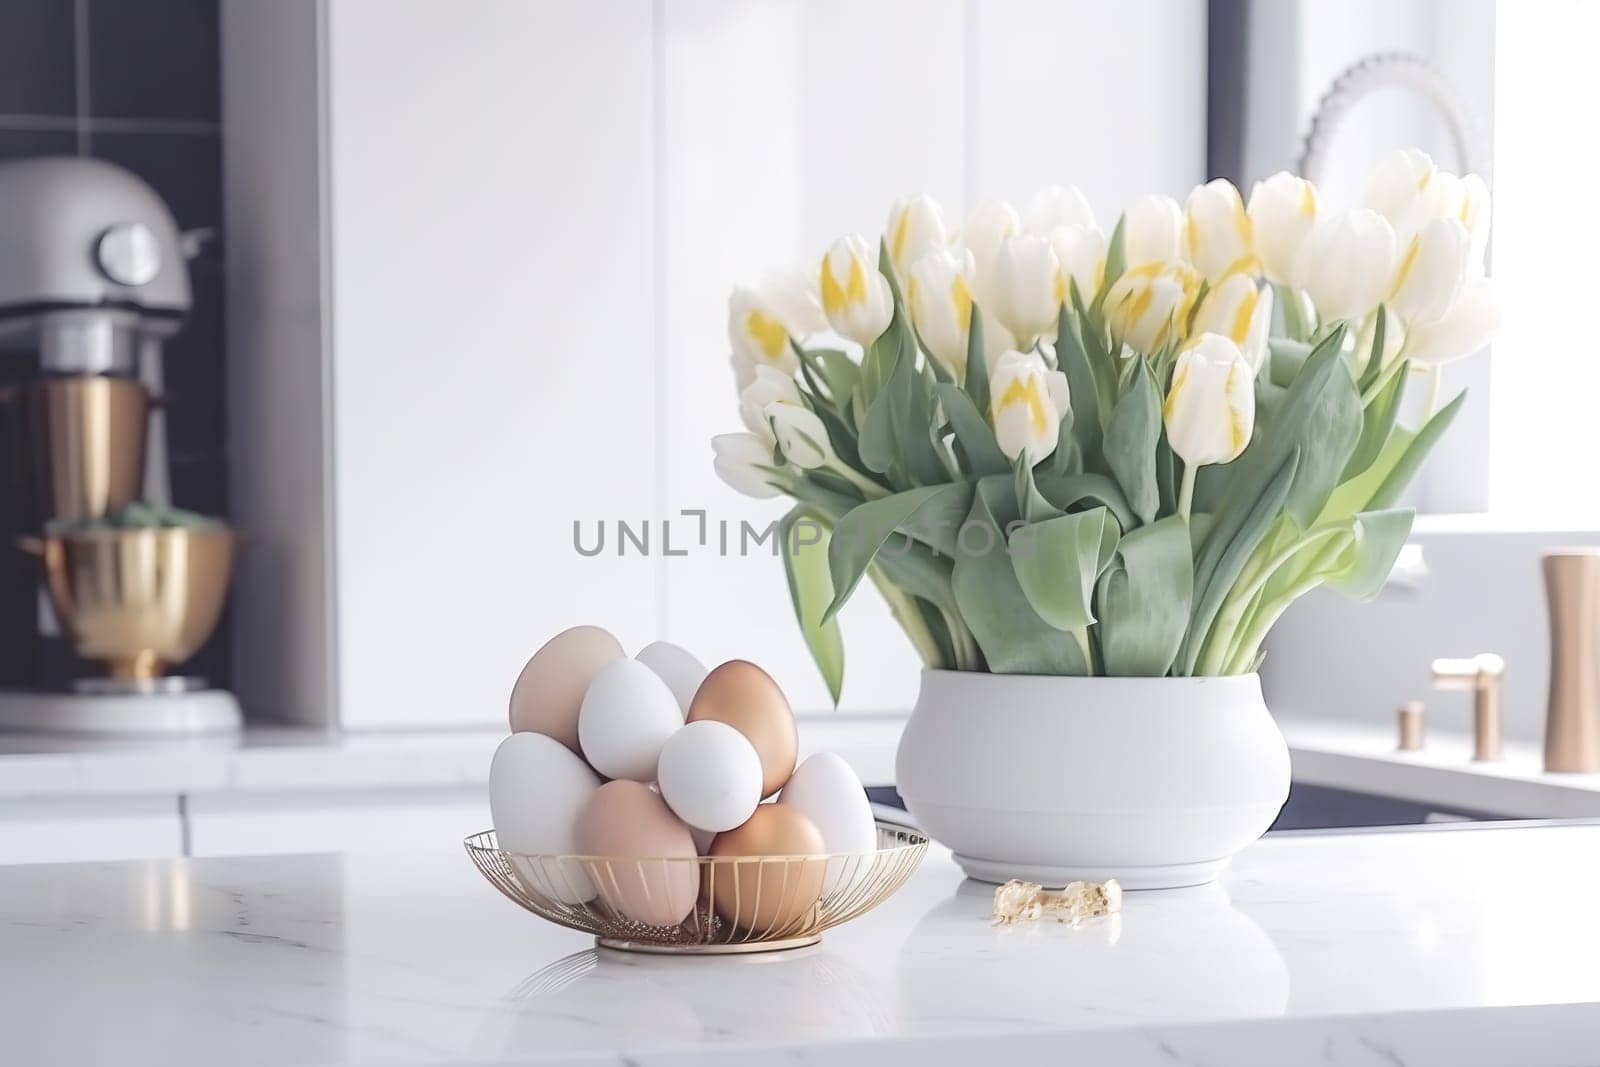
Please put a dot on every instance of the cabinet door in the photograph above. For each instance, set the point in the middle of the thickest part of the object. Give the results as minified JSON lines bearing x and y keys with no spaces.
{"x":787,"y":124}
{"x":491,"y":236}
{"x":99,"y":828}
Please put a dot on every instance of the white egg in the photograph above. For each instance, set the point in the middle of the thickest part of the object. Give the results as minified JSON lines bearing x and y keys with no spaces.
{"x":537,"y":787}
{"x":677,"y":666}
{"x":710,"y":776}
{"x":627,"y":715}
{"x":825,"y":790}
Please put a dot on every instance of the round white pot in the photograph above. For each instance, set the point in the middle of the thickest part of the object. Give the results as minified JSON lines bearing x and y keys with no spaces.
{"x":1155,"y":782}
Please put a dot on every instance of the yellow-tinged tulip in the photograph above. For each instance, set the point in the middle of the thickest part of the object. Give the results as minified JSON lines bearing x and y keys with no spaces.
{"x":1474,"y":215}
{"x":1347,"y":264}
{"x":915,"y":228}
{"x":1210,"y":411}
{"x":1283,"y":209}
{"x":1217,"y":232}
{"x":1471,"y":323}
{"x":939,"y":294}
{"x":986,"y":228}
{"x":1152,"y":231}
{"x":1027,"y":401}
{"x":1081,"y":251}
{"x":1431,"y":272}
{"x":1057,"y":205}
{"x":1025,"y":287}
{"x":855,"y":297}
{"x":767,"y":386}
{"x":1404,"y":190}
{"x":1240,"y":311}
{"x":800,"y":433}
{"x":1149,"y":305}
{"x":739,"y":457}
{"x":758,"y":333}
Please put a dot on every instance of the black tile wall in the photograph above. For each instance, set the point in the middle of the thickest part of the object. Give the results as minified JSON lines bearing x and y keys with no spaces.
{"x":38,"y":67}
{"x":136,"y":82}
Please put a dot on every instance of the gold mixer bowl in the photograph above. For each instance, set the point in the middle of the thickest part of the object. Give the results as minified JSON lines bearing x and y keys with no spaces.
{"x":139,"y":599}
{"x":87,"y":438}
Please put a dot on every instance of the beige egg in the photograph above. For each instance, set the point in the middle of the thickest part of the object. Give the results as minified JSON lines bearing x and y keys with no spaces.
{"x":746,"y":698}
{"x":770,"y":898}
{"x":626,"y":821}
{"x":550,"y":689}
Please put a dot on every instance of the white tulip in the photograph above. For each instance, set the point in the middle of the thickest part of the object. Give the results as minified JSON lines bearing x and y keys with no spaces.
{"x":1148,"y":307}
{"x":1347,"y":264}
{"x":1027,"y":401}
{"x":1431,"y":271}
{"x":1025,"y":287}
{"x":1283,"y":209}
{"x":794,"y":295}
{"x":1475,"y":217}
{"x":1211,"y":408}
{"x":1240,"y":311}
{"x":855,"y":297}
{"x":1152,"y":231}
{"x":1081,"y":251}
{"x":987,"y":227}
{"x":757,"y":332}
{"x":1217,"y":235}
{"x":915,"y":228}
{"x":939,"y":296}
{"x":801,"y":434}
{"x":738,"y":462}
{"x":1471,"y":323}
{"x":1403,"y":190}
{"x":1057,"y":205}
{"x":767,"y":386}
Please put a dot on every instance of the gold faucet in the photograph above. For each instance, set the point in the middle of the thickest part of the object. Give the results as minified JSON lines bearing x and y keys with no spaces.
{"x":1482,"y":675}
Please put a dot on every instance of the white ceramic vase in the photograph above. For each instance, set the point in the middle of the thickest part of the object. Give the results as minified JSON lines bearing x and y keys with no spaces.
{"x":1156,"y":782}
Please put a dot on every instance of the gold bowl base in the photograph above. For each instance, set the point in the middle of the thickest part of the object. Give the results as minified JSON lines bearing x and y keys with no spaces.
{"x":725,"y":949}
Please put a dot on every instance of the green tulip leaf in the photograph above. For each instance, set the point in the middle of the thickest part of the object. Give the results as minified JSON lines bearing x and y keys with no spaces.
{"x":811,"y":591}
{"x":1144,"y":598}
{"x":1233,"y":537}
{"x":972,"y":433}
{"x":1058,"y":561}
{"x":977,"y":379}
{"x":1365,"y":566}
{"x":1377,"y":425}
{"x":1014,"y":640}
{"x":1327,"y":430}
{"x":1416,"y":450}
{"x":837,"y":372}
{"x":1083,"y":390}
{"x":931,"y":514}
{"x":1374,"y":367}
{"x":1030,"y":502}
{"x":1130,"y":442}
{"x":1066,"y":492}
{"x":1285,"y":357}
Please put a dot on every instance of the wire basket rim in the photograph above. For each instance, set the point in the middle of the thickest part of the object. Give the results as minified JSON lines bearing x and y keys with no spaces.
{"x":916,"y":839}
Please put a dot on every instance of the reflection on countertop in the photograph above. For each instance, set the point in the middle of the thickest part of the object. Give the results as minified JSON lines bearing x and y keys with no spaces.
{"x":1329,"y":940}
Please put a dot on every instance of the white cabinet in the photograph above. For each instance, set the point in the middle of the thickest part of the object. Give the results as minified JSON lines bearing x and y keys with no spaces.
{"x":350,"y":820}
{"x":490,"y":300}
{"x":70,"y":829}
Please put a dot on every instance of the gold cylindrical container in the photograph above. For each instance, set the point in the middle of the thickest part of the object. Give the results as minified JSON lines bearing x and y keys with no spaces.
{"x":1410,"y":722}
{"x":1572,"y":728}
{"x":138,"y":599}
{"x":86,"y":437}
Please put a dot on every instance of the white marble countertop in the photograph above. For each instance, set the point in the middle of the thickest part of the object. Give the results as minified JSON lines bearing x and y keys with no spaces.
{"x":1445,"y":945}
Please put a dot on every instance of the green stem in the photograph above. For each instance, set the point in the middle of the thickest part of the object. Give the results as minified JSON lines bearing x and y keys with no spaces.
{"x":1186,"y":490}
{"x":869,"y":488}
{"x":1268,"y":613}
{"x":910,"y":620}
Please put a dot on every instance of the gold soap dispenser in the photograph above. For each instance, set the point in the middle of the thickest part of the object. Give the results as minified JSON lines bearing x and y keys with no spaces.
{"x":1572,"y":729}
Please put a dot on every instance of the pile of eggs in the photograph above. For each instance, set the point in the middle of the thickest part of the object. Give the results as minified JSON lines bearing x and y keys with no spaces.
{"x":656,"y":757}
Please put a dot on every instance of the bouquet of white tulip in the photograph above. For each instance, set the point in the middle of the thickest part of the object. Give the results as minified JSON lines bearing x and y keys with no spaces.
{"x":1058,"y":453}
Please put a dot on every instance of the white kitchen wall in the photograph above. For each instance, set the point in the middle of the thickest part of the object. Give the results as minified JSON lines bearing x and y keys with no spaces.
{"x":534,"y":212}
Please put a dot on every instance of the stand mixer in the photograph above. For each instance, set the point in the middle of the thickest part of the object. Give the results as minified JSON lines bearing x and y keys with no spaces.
{"x":93,"y":279}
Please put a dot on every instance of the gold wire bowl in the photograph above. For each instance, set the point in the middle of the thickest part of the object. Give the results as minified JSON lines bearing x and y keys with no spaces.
{"x":744,"y":903}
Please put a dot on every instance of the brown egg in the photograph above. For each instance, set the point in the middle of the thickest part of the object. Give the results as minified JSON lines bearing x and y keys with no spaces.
{"x":746,"y":698}
{"x":626,"y":820}
{"x":549,"y":691}
{"x":768,"y":897}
